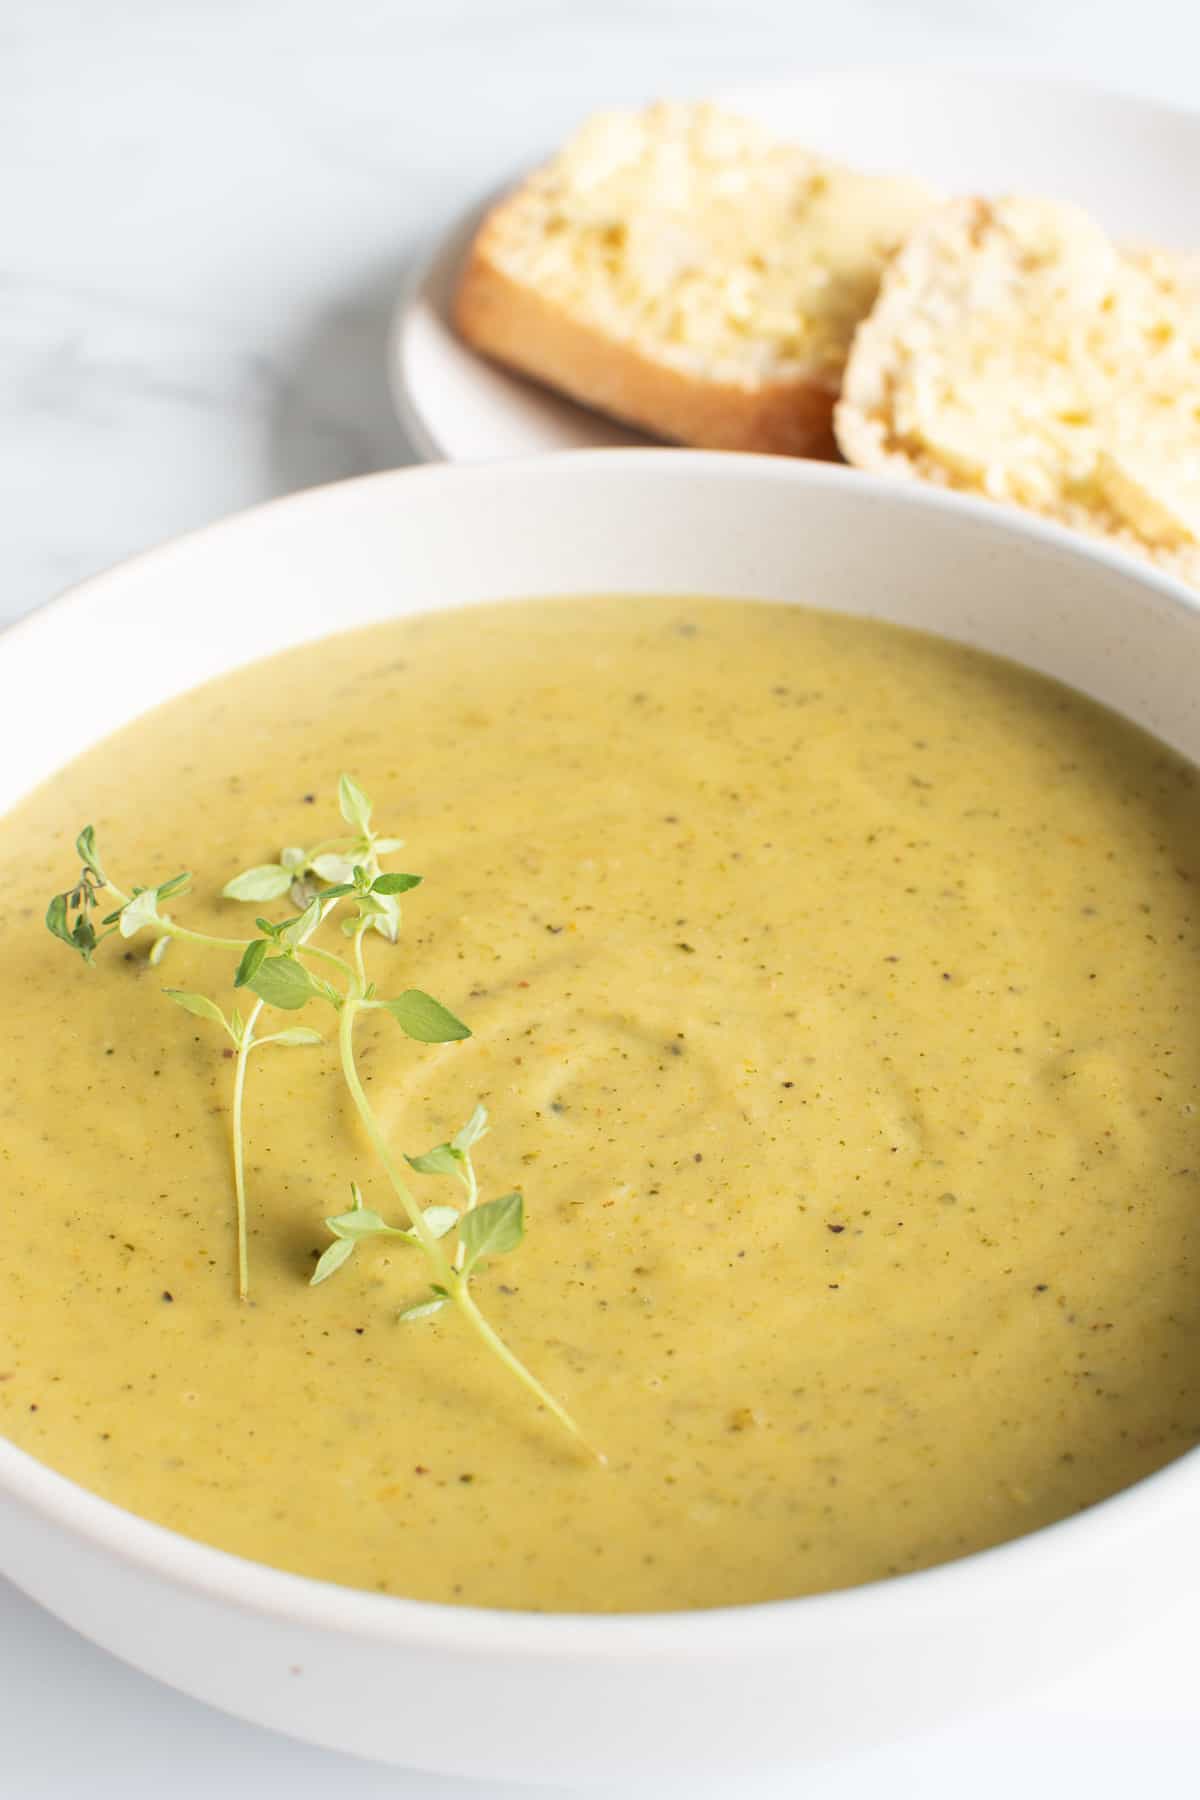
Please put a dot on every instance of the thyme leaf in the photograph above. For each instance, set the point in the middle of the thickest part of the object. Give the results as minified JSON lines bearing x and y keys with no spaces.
{"x":284,"y":982}
{"x":268,"y":881}
{"x":425,"y":1018}
{"x":492,"y":1229}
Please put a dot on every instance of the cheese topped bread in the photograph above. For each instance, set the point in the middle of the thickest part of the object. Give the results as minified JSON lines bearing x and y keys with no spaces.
{"x":686,"y":271}
{"x":1016,"y":352}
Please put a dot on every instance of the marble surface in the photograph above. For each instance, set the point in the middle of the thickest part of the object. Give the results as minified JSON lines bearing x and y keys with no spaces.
{"x":209,"y":207}
{"x":215,"y":200}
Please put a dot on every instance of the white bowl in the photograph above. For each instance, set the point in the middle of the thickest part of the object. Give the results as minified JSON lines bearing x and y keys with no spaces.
{"x":581,"y":1699}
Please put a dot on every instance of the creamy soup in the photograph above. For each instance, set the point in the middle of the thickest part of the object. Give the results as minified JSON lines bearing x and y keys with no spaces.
{"x":834,"y":998}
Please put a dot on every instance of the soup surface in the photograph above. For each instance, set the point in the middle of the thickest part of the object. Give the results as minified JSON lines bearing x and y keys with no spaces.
{"x":834,"y":999}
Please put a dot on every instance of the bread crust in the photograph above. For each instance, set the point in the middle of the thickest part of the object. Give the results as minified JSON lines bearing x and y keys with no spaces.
{"x":519,"y":328}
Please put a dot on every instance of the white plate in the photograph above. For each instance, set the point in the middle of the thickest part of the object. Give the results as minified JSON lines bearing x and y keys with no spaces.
{"x":1134,"y":163}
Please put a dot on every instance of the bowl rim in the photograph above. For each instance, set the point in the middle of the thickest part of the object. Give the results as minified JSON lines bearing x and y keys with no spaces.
{"x":887,"y":1605}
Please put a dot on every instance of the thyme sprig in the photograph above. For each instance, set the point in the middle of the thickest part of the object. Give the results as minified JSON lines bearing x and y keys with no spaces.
{"x":283,"y":968}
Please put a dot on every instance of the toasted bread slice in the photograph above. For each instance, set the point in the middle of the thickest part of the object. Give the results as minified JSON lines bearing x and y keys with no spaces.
{"x":1016,"y":352}
{"x":687,"y":272}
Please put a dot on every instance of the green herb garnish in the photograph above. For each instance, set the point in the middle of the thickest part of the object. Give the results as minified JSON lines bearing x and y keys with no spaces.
{"x":275,"y":968}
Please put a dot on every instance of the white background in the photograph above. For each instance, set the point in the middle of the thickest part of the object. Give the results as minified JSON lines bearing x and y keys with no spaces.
{"x":208,"y":206}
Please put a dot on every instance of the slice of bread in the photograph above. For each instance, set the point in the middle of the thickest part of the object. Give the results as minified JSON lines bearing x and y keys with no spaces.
{"x":687,"y":272}
{"x":1015,"y":352}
